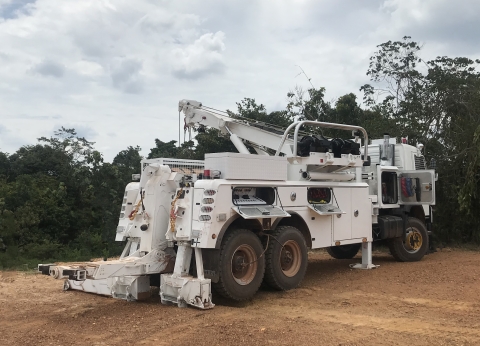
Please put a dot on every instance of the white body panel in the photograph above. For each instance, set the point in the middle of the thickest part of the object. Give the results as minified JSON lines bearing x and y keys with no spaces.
{"x":247,"y":166}
{"x":325,"y":229}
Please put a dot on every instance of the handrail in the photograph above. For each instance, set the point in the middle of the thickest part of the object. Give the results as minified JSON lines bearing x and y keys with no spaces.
{"x":284,"y":137}
{"x":299,"y":124}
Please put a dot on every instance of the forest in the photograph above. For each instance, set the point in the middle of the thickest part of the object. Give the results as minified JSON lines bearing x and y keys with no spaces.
{"x":60,"y":201}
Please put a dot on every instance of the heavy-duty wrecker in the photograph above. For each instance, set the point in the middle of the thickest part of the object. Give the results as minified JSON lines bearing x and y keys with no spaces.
{"x":235,"y":220}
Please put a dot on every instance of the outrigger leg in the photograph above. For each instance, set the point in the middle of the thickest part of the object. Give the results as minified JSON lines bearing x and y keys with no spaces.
{"x":366,"y":258}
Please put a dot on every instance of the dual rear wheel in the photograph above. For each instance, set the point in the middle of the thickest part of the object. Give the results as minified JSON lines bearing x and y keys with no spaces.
{"x":286,"y":258}
{"x":244,"y":262}
{"x":281,"y":261}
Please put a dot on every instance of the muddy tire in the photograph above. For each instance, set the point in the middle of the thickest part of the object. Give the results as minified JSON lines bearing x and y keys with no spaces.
{"x":344,"y":251}
{"x":286,"y":258}
{"x":413,"y":246}
{"x":241,"y":265}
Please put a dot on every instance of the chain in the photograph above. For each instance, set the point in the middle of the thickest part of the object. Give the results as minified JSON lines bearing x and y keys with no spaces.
{"x":135,"y":211}
{"x":173,"y":216}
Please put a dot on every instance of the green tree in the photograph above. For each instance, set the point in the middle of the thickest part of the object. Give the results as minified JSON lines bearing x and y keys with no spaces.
{"x":163,"y":149}
{"x":58,"y":199}
{"x":211,"y":141}
{"x":248,"y":109}
{"x":128,"y":162}
{"x":308,"y":105}
{"x":4,"y":165}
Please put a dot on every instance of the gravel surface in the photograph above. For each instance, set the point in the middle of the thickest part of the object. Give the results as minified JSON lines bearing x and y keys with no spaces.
{"x":432,"y":302}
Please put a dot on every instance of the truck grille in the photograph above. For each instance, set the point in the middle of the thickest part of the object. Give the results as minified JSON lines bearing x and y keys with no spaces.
{"x":420,"y":162}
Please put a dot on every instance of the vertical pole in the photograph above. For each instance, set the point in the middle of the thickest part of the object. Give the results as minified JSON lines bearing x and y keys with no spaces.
{"x":366,"y":258}
{"x":367,"y":254}
{"x":199,"y":262}
{"x":358,"y":174}
{"x":182,"y":260}
{"x":179,"y":127}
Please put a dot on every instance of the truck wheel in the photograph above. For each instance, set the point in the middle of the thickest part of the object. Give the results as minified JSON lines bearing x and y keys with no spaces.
{"x":241,"y":265}
{"x":415,"y":244}
{"x":286,"y":258}
{"x":344,"y":251}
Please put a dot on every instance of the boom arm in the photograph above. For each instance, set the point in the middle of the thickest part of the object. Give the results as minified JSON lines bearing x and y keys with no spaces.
{"x":238,"y":129}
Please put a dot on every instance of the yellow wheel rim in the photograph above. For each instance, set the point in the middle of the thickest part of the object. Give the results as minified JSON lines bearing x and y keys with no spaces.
{"x":414,"y":240}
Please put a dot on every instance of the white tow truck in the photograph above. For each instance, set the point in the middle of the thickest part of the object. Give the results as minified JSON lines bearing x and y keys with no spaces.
{"x":235,"y":220}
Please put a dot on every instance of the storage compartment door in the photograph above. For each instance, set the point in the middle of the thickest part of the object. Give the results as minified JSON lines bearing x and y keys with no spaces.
{"x":416,"y":187}
{"x":387,"y":186}
{"x":342,"y":223}
{"x":260,"y":211}
{"x":361,"y":214}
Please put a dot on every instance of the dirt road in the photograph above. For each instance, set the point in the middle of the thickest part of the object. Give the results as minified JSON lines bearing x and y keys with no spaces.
{"x":432,"y":302}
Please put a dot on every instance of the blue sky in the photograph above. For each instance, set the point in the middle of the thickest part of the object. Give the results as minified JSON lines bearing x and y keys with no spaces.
{"x":115,"y":70}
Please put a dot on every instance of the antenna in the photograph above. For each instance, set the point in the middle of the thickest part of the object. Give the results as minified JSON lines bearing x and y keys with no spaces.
{"x":303,"y":72}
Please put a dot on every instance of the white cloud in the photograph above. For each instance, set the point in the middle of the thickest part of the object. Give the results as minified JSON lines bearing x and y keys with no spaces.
{"x":88,"y":68}
{"x":15,"y":8}
{"x":49,"y":68}
{"x":201,"y":58}
{"x":126,"y":76}
{"x":445,"y":27}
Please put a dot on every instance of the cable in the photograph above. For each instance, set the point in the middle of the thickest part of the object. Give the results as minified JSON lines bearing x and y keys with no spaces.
{"x":266,"y":247}
{"x":278,"y":196}
{"x":333,"y":193}
{"x":275,"y":238}
{"x":142,"y":195}
{"x":249,"y":121}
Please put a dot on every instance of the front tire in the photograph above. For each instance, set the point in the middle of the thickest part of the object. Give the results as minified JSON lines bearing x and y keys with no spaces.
{"x":286,"y":258}
{"x":241,"y":265}
{"x":414,"y":246}
{"x":344,"y":251}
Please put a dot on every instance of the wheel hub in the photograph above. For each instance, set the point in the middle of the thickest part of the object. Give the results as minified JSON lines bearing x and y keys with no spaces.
{"x":290,"y":258}
{"x":244,"y":264}
{"x":414,"y":240}
{"x":238,"y":263}
{"x":287,"y":258}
